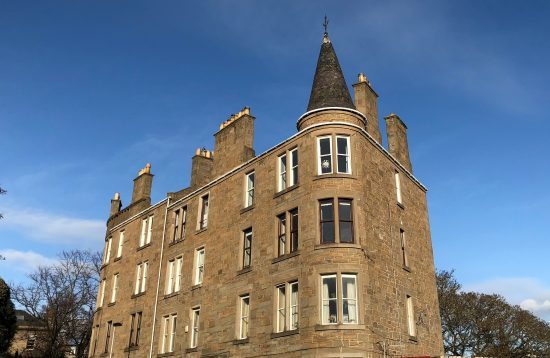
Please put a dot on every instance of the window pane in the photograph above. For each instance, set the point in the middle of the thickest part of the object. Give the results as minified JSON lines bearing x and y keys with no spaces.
{"x":324,"y":146}
{"x":327,"y":211}
{"x":294,"y":305}
{"x":349,"y":295}
{"x":329,"y":287}
{"x":326,"y":164}
{"x":346,"y":232}
{"x":327,"y":232}
{"x":294,"y":230}
{"x":342,"y":164}
{"x":330,"y":312}
{"x":345,"y":209}
{"x":282,"y":234}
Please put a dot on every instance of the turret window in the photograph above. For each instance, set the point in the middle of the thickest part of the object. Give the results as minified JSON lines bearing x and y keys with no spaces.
{"x":339,"y":299}
{"x":343,"y":217}
{"x":340,"y":154}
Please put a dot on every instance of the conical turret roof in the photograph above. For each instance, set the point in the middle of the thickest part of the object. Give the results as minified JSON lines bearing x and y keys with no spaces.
{"x":329,"y":86}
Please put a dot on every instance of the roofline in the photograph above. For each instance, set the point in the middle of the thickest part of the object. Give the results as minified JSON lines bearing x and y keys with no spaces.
{"x":331,"y":108}
{"x":268,"y":151}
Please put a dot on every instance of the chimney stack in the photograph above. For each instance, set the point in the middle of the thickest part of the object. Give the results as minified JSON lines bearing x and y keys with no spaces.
{"x":201,"y":167}
{"x":366,"y":102}
{"x":143,"y":184}
{"x":234,"y":142}
{"x":116,"y":204}
{"x":398,"y":147}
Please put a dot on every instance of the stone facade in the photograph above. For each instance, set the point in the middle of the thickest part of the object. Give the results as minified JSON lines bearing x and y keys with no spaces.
{"x":390,"y":309}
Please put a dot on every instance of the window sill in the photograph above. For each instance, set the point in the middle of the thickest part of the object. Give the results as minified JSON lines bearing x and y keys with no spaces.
{"x":196,"y":287}
{"x":111,"y":304}
{"x":191,"y":350}
{"x":335,"y":175}
{"x":406,"y":268}
{"x":339,"y":245}
{"x":170,"y":295}
{"x":103,"y":266}
{"x":132,"y":348}
{"x":167,"y":354}
{"x":172,"y":243}
{"x":136,"y":295}
{"x":240,"y":341}
{"x":244,"y":270}
{"x":201,"y":230}
{"x":413,"y":339}
{"x":248,"y":208}
{"x":401,"y":205}
{"x":285,"y":333}
{"x":285,"y":257}
{"x":339,"y":326}
{"x":143,"y":247}
{"x":117,"y":258}
{"x":284,"y":191}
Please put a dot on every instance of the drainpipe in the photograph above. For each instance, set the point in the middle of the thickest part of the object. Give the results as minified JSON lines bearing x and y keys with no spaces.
{"x":158,"y":278}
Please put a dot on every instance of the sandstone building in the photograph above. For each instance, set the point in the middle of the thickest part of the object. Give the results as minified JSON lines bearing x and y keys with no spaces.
{"x":318,"y":247}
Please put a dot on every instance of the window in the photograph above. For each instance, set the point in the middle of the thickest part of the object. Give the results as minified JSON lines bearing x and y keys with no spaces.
{"x":339,"y":299}
{"x":120,"y":244}
{"x":410,"y":317}
{"x":404,"y":257}
{"x":146,"y":231}
{"x":247,"y":248}
{"x":173,"y":277}
{"x":195,"y":315}
{"x":282,"y":172}
{"x":293,"y":167}
{"x":398,"y":187}
{"x":107,"y":250}
{"x":203,"y":223}
{"x":168,"y":333}
{"x":287,"y":307}
{"x":282,"y":247}
{"x":243,"y":319}
{"x":108,"y":336}
{"x":199,"y":265}
{"x":287,"y":169}
{"x":101,"y":296}
{"x":141,"y":277}
{"x":95,"y":338}
{"x":249,"y":199}
{"x":135,"y":329}
{"x":115,"y":288}
{"x":343,"y":155}
{"x":325,"y":153}
{"x":328,"y":219}
{"x":179,"y":224}
{"x":31,"y":340}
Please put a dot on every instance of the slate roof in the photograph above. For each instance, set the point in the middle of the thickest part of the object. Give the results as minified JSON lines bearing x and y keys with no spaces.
{"x":329,"y":86}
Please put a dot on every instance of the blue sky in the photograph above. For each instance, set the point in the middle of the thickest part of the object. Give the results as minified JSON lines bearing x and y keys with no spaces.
{"x":91,"y":91}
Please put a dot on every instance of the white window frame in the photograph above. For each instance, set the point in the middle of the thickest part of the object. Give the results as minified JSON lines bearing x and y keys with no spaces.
{"x":293,"y":178}
{"x":287,"y":307}
{"x":173,"y":275}
{"x":354,"y":299}
{"x":282,"y":167}
{"x":195,"y":322}
{"x":347,"y":155}
{"x":247,"y":254}
{"x":141,"y":277}
{"x":203,"y":211}
{"x":146,"y":231}
{"x":398,"y":187}
{"x":107,"y":255}
{"x":244,"y":315}
{"x":411,"y":325}
{"x":319,"y":160}
{"x":102,"y":293}
{"x":404,"y":255}
{"x":200,"y":254}
{"x":169,"y":325}
{"x":180,"y":224}
{"x":120,"y":244}
{"x":115,"y":287}
{"x":250,"y":179}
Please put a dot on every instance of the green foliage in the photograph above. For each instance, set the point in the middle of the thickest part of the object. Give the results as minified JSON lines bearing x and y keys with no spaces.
{"x":7,"y":317}
{"x":486,"y":325}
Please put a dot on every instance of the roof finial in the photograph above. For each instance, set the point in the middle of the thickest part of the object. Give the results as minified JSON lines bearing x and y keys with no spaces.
{"x":325,"y":25}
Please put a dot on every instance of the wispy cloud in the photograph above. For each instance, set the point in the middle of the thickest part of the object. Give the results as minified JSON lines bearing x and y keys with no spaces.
{"x":53,"y":228}
{"x":529,"y":293}
{"x":24,"y":261}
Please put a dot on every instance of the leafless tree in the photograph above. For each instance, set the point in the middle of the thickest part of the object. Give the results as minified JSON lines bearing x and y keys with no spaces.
{"x":61,"y":297}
